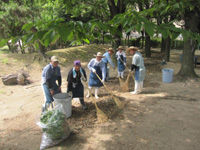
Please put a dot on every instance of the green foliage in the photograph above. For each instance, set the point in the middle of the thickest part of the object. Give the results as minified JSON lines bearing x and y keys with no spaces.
{"x":5,"y":61}
{"x":2,"y":92}
{"x":156,"y":42}
{"x":177,"y":44}
{"x":4,"y":50}
{"x":54,"y":124}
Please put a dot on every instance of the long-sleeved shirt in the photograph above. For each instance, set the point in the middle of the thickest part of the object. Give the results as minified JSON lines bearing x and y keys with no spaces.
{"x":122,"y":53}
{"x":48,"y":72}
{"x":101,"y":64}
{"x":107,"y":59}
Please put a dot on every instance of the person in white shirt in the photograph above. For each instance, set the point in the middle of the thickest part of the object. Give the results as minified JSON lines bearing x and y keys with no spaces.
{"x":96,"y":66}
{"x":138,"y":65}
{"x":121,"y":61}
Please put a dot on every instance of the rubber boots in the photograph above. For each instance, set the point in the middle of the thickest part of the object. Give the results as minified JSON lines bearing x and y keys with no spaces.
{"x":82,"y":103}
{"x":88,"y":94}
{"x":122,"y":74}
{"x":137,"y":88}
{"x":96,"y":93}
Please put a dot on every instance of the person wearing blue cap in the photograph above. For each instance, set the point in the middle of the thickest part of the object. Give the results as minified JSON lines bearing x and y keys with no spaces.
{"x":50,"y":74}
{"x":74,"y":83}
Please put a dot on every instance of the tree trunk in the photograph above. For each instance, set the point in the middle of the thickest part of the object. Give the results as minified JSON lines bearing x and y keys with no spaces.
{"x":42,"y":49}
{"x":187,"y":67}
{"x":103,"y":37}
{"x":114,"y":10}
{"x":10,"y":79}
{"x":167,"y":48}
{"x":147,"y":45}
{"x":128,"y":40}
{"x":142,"y":32}
{"x":163,"y":45}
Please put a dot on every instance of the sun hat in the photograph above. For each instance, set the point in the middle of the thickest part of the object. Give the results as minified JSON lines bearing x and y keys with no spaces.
{"x":121,"y":47}
{"x":99,"y":54}
{"x":77,"y":63}
{"x":54,"y":58}
{"x":131,"y":48}
{"x":110,"y":49}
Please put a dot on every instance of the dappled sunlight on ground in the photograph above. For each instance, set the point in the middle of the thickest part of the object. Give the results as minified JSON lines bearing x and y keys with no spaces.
{"x":164,"y":116}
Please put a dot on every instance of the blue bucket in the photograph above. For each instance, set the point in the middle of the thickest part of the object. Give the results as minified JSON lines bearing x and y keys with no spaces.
{"x":167,"y":75}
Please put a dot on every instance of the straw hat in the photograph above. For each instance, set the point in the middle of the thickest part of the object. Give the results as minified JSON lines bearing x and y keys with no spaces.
{"x":110,"y":49}
{"x":131,"y":48}
{"x":54,"y":58}
{"x":99,"y":54}
{"x":121,"y":47}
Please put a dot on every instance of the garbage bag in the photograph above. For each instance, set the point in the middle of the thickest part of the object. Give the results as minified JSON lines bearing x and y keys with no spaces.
{"x":54,"y":126}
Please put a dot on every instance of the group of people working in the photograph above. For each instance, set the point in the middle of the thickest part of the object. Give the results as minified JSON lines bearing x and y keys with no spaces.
{"x":52,"y":80}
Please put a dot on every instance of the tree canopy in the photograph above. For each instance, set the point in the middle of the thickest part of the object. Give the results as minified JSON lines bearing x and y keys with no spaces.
{"x":42,"y":22}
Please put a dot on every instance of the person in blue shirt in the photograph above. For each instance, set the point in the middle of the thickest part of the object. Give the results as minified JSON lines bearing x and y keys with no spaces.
{"x":50,"y":74}
{"x":121,"y":61}
{"x":96,"y":66}
{"x":107,"y":59}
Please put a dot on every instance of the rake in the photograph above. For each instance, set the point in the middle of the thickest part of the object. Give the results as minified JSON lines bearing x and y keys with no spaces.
{"x":117,"y":101}
{"x":101,"y":116}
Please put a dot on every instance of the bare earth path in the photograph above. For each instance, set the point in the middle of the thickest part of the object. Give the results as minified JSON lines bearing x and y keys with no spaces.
{"x":165,"y":116}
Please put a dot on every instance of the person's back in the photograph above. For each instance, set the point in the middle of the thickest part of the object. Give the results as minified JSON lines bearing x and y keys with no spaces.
{"x":138,"y":60}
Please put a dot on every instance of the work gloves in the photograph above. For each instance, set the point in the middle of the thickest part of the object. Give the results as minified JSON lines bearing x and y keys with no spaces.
{"x":93,"y":70}
{"x":103,"y":81}
{"x":131,"y":71}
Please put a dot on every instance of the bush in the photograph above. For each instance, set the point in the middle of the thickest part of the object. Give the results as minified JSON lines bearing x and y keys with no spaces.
{"x":156,"y":42}
{"x":177,"y":44}
{"x":133,"y":42}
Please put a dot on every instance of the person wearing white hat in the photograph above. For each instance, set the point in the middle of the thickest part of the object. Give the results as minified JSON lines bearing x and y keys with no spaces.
{"x":138,"y":65}
{"x":106,"y":59}
{"x":121,"y":56}
{"x":96,"y":66}
{"x":50,"y":74}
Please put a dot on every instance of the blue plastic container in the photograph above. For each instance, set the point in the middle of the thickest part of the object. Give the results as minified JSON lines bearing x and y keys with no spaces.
{"x":167,"y":75}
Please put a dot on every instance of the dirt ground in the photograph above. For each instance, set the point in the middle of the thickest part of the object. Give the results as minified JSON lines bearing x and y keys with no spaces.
{"x":165,"y":116}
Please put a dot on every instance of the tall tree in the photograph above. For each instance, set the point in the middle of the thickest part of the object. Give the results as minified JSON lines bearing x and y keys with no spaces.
{"x":115,"y":9}
{"x":192,"y":23}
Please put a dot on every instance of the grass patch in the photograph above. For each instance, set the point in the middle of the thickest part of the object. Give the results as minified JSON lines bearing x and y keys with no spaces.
{"x":4,"y":50}
{"x":4,"y":61}
{"x":82,"y":53}
{"x":2,"y":92}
